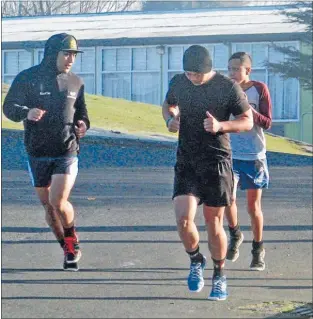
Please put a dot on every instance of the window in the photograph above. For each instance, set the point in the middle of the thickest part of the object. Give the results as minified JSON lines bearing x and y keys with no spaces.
{"x":145,"y":87}
{"x":284,"y":95}
{"x":13,"y":63}
{"x":175,"y":58}
{"x":220,"y":57}
{"x":116,"y":79}
{"x":139,"y":59}
{"x":116,"y":85}
{"x":132,"y":74}
{"x":39,"y":53}
{"x":40,"y":56}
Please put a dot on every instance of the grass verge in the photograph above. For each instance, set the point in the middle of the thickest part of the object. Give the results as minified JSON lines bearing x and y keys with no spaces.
{"x":145,"y":119}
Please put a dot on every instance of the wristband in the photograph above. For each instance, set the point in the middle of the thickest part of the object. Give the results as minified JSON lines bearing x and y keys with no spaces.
{"x":168,"y":120}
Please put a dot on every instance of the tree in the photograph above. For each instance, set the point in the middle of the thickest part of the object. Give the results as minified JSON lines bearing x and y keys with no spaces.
{"x":33,"y":8}
{"x":298,"y":63}
{"x":168,"y":5}
{"x":105,"y":6}
{"x":51,"y":7}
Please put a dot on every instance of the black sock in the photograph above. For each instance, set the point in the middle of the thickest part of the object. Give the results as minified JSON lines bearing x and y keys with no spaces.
{"x":234,"y":231}
{"x":61,"y":242}
{"x":195,"y":256}
{"x":257,"y":245}
{"x":69,"y":232}
{"x":218,"y":267}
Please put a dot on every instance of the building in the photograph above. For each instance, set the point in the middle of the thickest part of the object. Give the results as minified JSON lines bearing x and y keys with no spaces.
{"x":133,"y":55}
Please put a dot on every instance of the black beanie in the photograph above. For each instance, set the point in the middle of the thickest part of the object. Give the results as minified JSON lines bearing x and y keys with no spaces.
{"x":197,"y":59}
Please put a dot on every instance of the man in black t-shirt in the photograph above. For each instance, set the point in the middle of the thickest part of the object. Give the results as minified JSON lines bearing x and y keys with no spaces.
{"x":203,"y":171}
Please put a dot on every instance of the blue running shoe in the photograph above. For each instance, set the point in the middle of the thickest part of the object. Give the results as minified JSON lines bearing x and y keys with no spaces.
{"x":219,"y":288}
{"x":195,"y":278}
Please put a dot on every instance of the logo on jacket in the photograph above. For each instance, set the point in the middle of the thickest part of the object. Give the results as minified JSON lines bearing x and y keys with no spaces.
{"x":72,"y":95}
{"x":42,"y":91}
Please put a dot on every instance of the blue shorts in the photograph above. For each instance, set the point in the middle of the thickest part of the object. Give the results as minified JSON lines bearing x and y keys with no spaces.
{"x":251,"y":174}
{"x":41,"y":169}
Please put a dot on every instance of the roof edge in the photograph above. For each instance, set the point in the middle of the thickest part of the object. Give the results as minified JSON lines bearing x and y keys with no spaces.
{"x":268,"y":37}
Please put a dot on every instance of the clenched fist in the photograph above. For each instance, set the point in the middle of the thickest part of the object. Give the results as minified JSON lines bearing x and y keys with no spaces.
{"x":35,"y":114}
{"x":211,"y":124}
{"x":80,"y":129}
{"x":173,"y":124}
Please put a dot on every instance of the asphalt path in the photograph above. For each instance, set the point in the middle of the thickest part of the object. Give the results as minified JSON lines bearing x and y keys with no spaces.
{"x":133,"y":263}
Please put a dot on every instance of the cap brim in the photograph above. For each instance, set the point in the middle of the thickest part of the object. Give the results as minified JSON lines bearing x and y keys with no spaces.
{"x":75,"y":51}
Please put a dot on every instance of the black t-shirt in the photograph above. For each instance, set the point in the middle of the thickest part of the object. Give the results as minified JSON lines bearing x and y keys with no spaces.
{"x":221,"y":97}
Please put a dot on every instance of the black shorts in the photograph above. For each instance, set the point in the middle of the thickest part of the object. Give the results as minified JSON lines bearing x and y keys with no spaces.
{"x":41,"y":169}
{"x":212,"y":183}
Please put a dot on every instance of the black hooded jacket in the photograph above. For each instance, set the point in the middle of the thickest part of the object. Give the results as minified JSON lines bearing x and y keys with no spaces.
{"x":60,"y":94}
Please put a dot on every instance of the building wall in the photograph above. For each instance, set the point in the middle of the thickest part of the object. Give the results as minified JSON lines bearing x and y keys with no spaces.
{"x":302,"y":130}
{"x":143,"y":73}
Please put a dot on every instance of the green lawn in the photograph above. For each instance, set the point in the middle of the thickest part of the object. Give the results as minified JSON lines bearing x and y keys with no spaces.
{"x":117,"y":115}
{"x":144,"y":119}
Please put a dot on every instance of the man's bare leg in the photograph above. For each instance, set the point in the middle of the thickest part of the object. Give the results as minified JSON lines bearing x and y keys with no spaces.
{"x":185,"y":211}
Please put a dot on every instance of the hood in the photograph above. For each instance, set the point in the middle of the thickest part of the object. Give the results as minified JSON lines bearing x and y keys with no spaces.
{"x":55,"y":44}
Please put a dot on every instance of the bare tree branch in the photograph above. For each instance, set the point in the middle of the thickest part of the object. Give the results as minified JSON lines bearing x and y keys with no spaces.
{"x":110,"y":6}
{"x":5,"y":7}
{"x":298,"y":64}
{"x":50,"y":7}
{"x":123,"y":6}
{"x":36,"y":10}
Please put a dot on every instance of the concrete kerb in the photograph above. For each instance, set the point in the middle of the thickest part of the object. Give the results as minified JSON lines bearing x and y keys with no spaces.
{"x":121,"y":139}
{"x":111,"y":138}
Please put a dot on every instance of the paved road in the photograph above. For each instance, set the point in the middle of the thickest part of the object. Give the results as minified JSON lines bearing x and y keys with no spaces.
{"x":133,"y":264}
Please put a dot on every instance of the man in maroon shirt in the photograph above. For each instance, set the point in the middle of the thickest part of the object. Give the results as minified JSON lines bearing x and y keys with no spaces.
{"x":249,"y":160}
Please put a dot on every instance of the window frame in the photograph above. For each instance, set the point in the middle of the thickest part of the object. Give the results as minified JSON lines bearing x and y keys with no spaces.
{"x":130,"y":71}
{"x":3,"y":52}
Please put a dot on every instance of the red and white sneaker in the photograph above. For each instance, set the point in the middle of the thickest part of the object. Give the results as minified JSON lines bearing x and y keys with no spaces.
{"x":76,"y":241}
{"x":72,"y":253}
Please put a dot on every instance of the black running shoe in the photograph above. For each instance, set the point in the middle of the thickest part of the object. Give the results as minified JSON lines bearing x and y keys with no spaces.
{"x":70,"y":267}
{"x":257,"y":262}
{"x":233,"y":247}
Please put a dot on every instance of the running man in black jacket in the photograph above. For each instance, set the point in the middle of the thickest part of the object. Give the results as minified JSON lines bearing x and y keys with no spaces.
{"x":50,"y":101}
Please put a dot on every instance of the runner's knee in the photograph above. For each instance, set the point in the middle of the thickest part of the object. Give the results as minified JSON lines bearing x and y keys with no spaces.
{"x":254,"y":209}
{"x":183,"y":222}
{"x":58,"y":203}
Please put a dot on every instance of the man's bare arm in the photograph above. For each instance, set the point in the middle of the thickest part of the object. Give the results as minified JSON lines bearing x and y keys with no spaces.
{"x":242,"y":123}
